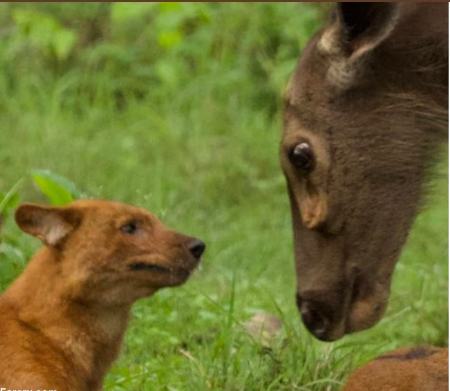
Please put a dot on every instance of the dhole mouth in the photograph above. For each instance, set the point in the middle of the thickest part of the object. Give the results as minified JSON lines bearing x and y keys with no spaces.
{"x":151,"y":267}
{"x":138,"y":266}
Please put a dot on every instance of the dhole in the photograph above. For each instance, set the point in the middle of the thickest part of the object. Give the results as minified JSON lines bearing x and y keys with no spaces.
{"x":416,"y":369}
{"x":62,"y":321}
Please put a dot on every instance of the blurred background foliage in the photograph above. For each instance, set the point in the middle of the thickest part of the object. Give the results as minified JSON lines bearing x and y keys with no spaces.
{"x":129,"y":50}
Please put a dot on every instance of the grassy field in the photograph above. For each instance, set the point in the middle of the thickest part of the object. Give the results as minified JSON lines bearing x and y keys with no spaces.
{"x":186,"y":123}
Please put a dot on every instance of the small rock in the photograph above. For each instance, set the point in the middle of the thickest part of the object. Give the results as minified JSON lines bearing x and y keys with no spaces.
{"x":264,"y":327}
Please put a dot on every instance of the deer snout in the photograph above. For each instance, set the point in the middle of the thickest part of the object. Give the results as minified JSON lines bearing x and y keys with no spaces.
{"x":314,"y":320}
{"x":319,"y":318}
{"x":367,"y":310}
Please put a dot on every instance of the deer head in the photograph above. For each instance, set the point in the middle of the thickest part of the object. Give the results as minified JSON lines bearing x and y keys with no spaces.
{"x":363,"y":114}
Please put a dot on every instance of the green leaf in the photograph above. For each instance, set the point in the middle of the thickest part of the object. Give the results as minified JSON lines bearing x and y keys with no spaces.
{"x":56,"y":188}
{"x":9,"y":200}
{"x":125,"y":12}
{"x":168,"y":39}
{"x":63,"y":42}
{"x":44,"y":32}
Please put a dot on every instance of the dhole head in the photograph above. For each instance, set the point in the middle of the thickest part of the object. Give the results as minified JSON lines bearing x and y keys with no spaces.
{"x":111,"y":252}
{"x":355,"y":146}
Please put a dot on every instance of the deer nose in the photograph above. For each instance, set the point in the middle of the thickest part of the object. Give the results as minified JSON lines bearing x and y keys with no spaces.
{"x":314,"y":318}
{"x":196,"y":247}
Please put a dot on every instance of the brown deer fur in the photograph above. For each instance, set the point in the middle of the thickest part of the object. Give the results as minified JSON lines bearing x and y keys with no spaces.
{"x":365,"y":111}
{"x":63,"y":319}
{"x":417,"y":369}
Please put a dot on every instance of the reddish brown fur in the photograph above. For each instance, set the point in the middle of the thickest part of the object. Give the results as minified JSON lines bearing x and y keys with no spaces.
{"x":369,"y":97}
{"x":417,"y":369}
{"x":62,"y":321}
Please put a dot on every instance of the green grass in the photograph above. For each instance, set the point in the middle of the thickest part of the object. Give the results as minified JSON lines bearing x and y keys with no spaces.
{"x":201,"y":151}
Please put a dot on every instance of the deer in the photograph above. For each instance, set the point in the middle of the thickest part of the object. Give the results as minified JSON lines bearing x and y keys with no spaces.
{"x":365,"y":115}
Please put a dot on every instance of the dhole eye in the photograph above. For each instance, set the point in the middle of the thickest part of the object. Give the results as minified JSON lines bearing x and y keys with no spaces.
{"x":302,"y":157}
{"x":129,"y":228}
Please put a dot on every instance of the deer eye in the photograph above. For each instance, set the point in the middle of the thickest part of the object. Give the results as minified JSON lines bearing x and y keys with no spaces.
{"x":302,"y":157}
{"x":129,"y":228}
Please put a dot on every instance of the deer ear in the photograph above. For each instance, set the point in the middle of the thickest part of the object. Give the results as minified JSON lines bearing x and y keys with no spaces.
{"x":355,"y":30}
{"x":49,"y":224}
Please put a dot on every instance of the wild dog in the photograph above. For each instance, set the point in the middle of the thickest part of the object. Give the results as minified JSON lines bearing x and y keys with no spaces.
{"x":414,"y":369}
{"x":63,"y":319}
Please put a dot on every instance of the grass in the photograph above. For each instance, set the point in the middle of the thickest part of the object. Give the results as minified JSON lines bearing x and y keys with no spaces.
{"x":202,"y":153}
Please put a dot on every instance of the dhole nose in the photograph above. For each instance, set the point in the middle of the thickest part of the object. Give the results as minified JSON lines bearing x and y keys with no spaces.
{"x":196,"y":247}
{"x":314,"y":318}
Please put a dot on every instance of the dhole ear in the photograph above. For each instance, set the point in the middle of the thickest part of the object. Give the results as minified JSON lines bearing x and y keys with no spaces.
{"x":355,"y":30}
{"x":49,"y":224}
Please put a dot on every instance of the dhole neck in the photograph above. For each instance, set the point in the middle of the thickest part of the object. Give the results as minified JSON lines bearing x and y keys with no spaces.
{"x":90,"y":335}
